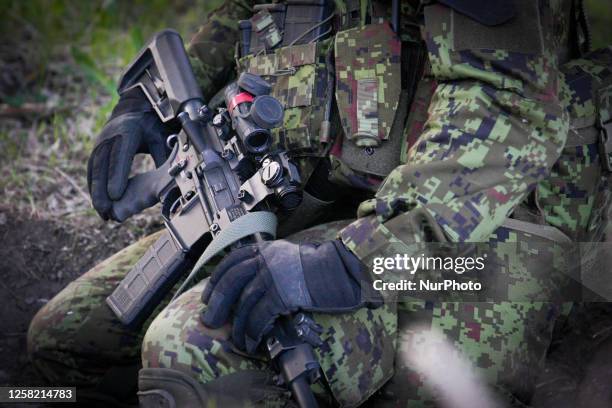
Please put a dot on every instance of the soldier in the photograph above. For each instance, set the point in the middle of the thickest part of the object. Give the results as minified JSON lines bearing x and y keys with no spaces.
{"x":461,"y":108}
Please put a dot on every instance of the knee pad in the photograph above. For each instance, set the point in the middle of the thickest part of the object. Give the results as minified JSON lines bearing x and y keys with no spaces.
{"x":168,"y":388}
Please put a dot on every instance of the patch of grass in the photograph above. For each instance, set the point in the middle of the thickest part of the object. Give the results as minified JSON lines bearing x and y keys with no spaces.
{"x":600,"y":17}
{"x":66,"y":57}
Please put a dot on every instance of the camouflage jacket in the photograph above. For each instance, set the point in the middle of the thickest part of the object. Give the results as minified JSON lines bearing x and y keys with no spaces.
{"x":482,"y":127}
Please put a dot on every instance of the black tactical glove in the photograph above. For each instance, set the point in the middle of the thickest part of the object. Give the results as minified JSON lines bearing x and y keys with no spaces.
{"x":258,"y":283}
{"x":132,"y":128}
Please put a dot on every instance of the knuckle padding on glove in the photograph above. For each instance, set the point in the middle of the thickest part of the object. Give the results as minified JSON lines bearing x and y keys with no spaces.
{"x":264,"y":281}
{"x":227,"y":291}
{"x":324,"y":265}
{"x":233,"y":258}
{"x":124,"y":149}
{"x":114,"y":194}
{"x":250,"y":300}
{"x":97,"y":178}
{"x":283,"y":261}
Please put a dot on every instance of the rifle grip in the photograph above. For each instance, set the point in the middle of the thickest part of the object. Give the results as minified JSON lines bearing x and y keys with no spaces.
{"x":144,"y":189}
{"x":148,"y":281}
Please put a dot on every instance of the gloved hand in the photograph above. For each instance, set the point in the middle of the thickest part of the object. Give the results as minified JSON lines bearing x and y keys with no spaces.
{"x":258,"y":283}
{"x":132,"y":128}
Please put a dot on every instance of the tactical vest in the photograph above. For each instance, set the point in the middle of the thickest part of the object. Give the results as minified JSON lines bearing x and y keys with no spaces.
{"x":353,"y":77}
{"x":345,"y":72}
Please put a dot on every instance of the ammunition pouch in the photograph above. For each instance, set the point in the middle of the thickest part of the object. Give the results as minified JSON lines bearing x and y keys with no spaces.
{"x":375,"y":88}
{"x":298,"y":75}
{"x":368,"y":82}
{"x":370,"y":72}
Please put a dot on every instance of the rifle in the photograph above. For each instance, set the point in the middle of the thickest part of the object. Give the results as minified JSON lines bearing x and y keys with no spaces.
{"x":219,"y":188}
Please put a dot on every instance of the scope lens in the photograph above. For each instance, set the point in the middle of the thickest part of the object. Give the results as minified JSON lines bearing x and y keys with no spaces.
{"x":257,"y":141}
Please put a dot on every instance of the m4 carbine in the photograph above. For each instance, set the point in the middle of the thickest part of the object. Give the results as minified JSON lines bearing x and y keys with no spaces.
{"x":219,"y":188}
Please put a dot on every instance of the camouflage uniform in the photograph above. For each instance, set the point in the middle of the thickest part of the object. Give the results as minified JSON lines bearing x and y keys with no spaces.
{"x":493,"y":134}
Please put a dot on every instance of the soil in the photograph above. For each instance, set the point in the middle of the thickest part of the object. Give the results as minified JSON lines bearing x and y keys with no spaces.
{"x":39,"y":257}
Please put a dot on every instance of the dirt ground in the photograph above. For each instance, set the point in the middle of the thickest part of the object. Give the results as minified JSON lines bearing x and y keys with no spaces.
{"x":38,"y":257}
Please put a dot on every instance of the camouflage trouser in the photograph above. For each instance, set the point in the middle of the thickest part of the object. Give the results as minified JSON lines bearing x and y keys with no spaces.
{"x":76,"y":340}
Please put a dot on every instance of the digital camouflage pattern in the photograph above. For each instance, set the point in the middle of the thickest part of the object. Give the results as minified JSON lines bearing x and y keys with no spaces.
{"x":356,"y":356}
{"x":212,"y":48}
{"x":577,"y":194}
{"x":298,"y":76}
{"x":368,"y":82}
{"x":576,"y":199}
{"x":417,"y":116}
{"x":493,"y":336}
{"x":76,"y":339}
{"x":495,"y":129}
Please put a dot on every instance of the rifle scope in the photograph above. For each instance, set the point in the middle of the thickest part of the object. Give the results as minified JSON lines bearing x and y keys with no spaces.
{"x":253,"y":111}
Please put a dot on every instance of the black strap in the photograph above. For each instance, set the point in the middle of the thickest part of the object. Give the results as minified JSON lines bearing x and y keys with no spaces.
{"x":579,"y":24}
{"x":605,"y":144}
{"x":584,"y":25}
{"x":352,"y":18}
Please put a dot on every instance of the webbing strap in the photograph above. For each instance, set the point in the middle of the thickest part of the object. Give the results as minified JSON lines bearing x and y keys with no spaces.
{"x":580,"y":137}
{"x":543,"y":231}
{"x":363,"y":11}
{"x":249,"y":224}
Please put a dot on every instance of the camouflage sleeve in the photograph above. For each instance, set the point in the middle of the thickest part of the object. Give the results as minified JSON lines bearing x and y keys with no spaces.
{"x":576,"y":197}
{"x":495,"y":129}
{"x":212,"y":48}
